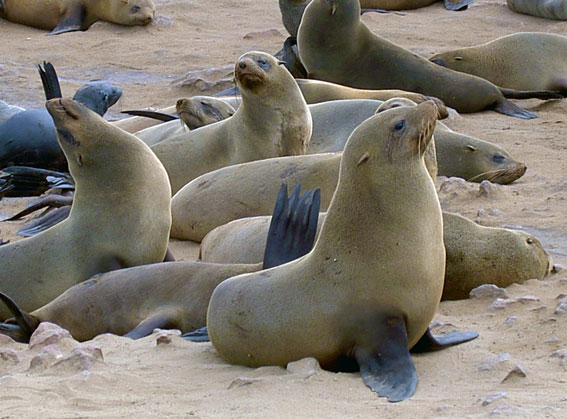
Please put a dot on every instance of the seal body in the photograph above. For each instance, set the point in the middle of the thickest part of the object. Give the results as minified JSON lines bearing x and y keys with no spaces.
{"x":72,"y":15}
{"x":6,"y":110}
{"x":272,"y":120}
{"x":522,"y":61}
{"x":328,"y":303}
{"x":120,"y":215}
{"x":549,"y":9}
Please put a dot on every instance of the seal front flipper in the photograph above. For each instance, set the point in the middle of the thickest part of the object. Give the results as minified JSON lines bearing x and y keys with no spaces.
{"x":152,"y":114}
{"x":385,"y":362}
{"x":46,"y":221}
{"x":157,"y":321}
{"x":49,"y":80}
{"x":457,"y":5}
{"x":508,"y":108}
{"x":430,"y":342}
{"x":25,"y":323}
{"x":71,"y":20}
{"x":198,"y":335}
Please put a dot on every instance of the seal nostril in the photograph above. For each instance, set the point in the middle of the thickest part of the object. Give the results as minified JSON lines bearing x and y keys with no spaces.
{"x":242,"y":64}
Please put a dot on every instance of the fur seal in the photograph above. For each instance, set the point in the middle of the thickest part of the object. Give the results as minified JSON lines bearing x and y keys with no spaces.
{"x":62,"y":16}
{"x":272,"y":120}
{"x":476,"y":254}
{"x":120,"y":215}
{"x":347,"y":307}
{"x":548,"y":9}
{"x":522,"y":61}
{"x":29,"y":138}
{"x":136,"y":300}
{"x":335,"y":45}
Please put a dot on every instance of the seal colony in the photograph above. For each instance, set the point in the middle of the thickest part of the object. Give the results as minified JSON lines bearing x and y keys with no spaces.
{"x":62,"y":16}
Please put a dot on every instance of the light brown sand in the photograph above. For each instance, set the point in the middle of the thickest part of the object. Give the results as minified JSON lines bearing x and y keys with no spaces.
{"x":190,"y":380}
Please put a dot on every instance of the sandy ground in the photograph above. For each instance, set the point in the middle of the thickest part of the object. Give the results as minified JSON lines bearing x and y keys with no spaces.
{"x":115,"y":377}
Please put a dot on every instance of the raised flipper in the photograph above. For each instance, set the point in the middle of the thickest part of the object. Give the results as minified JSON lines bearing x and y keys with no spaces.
{"x":46,"y":221}
{"x":21,"y":327}
{"x":51,"y":201}
{"x":147,"y":326}
{"x":457,"y":5}
{"x":50,"y":81}
{"x":508,"y":108}
{"x":430,"y":343}
{"x":32,"y":181}
{"x":384,"y":360}
{"x":72,"y":20}
{"x":165,"y":117}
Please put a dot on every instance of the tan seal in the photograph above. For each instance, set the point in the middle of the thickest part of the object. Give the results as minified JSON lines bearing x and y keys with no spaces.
{"x":272,"y":120}
{"x":120,"y":215}
{"x":522,"y":61}
{"x":336,"y":46}
{"x":344,"y":303}
{"x":548,"y":9}
{"x":61,"y":16}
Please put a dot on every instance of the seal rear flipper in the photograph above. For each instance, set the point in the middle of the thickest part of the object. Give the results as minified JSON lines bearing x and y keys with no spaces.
{"x":49,"y":80}
{"x":293,"y":226}
{"x":430,"y":342}
{"x":71,"y":20}
{"x":531,"y":94}
{"x":48,"y":220}
{"x":457,"y":5}
{"x":197,"y":335}
{"x":385,"y":362}
{"x":156,"y":321}
{"x":25,"y":323}
{"x":153,"y":115}
{"x":508,"y":108}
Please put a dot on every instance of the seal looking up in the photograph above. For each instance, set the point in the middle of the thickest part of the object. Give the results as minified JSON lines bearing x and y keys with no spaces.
{"x":121,"y":214}
{"x":367,"y":291}
{"x":61,"y":16}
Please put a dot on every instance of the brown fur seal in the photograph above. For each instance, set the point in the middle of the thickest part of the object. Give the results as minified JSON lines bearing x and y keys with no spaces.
{"x":476,"y":255}
{"x":548,"y":9}
{"x":120,"y":215}
{"x":61,"y":16}
{"x":272,"y":120}
{"x":198,"y":111}
{"x":335,"y":45}
{"x":522,"y":61}
{"x":366,"y":307}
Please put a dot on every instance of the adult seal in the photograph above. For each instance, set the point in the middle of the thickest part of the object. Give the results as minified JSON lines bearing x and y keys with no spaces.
{"x":548,"y":9}
{"x":120,"y":215}
{"x":62,"y":16}
{"x":343,"y":303}
{"x":272,"y":120}
{"x":522,"y":61}
{"x":336,"y":46}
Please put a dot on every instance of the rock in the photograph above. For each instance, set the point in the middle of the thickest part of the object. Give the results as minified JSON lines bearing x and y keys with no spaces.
{"x":48,"y":334}
{"x":527,"y":299}
{"x":82,"y":358}
{"x":268,"y":371}
{"x":561,"y":354}
{"x":493,"y":398}
{"x":208,"y":80}
{"x":9,"y":355}
{"x":489,"y":364}
{"x":501,"y":303}
{"x":511,"y":320}
{"x":46,"y":357}
{"x":561,"y":308}
{"x":243,"y":381}
{"x":164,"y":336}
{"x":305,"y":367}
{"x":488,"y":189}
{"x":517,"y":371}
{"x":556,"y":268}
{"x":489,"y":290}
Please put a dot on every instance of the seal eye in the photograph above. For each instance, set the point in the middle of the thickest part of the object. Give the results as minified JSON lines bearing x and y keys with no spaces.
{"x":264,"y":64}
{"x":135,"y":9}
{"x":529,"y":240}
{"x":498,"y":158}
{"x":399,"y":126}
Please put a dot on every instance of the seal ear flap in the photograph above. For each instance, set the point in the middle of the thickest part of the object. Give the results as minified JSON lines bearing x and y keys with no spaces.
{"x":471,"y":147}
{"x":72,"y":20}
{"x":25,"y":323}
{"x":363,"y":159}
{"x":430,"y":343}
{"x":385,"y":362}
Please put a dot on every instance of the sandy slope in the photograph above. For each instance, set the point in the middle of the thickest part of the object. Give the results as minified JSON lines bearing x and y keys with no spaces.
{"x":185,"y":379}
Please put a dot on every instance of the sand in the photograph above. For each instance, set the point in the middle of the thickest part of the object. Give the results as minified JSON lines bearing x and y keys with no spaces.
{"x":116,"y":377}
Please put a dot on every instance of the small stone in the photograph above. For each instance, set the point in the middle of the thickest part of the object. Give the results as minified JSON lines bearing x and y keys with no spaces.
{"x":82,"y":358}
{"x":501,"y":303}
{"x":46,"y":356}
{"x":561,"y":308}
{"x":553,"y":339}
{"x":243,"y":381}
{"x":268,"y":371}
{"x":6,"y":340}
{"x":305,"y":367}
{"x":489,"y":290}
{"x":538,"y":308}
{"x":164,"y":336}
{"x":518,"y":371}
{"x":528,"y":299}
{"x":493,"y":398}
{"x":488,"y":189}
{"x":263,"y":34}
{"x":561,"y":354}
{"x":47,"y":334}
{"x":557,"y":268}
{"x":511,"y":320}
{"x":9,"y":355}
{"x":489,"y":364}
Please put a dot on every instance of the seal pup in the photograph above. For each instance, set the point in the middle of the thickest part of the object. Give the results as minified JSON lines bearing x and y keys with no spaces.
{"x":343,"y":303}
{"x":120,"y":216}
{"x":548,"y":9}
{"x":134,"y":301}
{"x":272,"y":120}
{"x":522,"y":61}
{"x":335,"y":45}
{"x":62,"y":16}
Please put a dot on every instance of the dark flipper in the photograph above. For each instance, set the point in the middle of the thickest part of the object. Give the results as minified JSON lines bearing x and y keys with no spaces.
{"x":52,"y":201}
{"x":43,"y":223}
{"x":5,"y":184}
{"x":25,"y":324}
{"x":147,"y":326}
{"x":532,"y":94}
{"x":508,"y":108}
{"x":430,"y":343}
{"x":293,"y":226}
{"x":385,"y":362}
{"x":457,"y":5}
{"x":154,"y":115}
{"x":71,"y":21}
{"x":290,"y":58}
{"x":362,"y":11}
{"x":32,"y":181}
{"x":49,"y":80}
{"x":198,"y":335}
